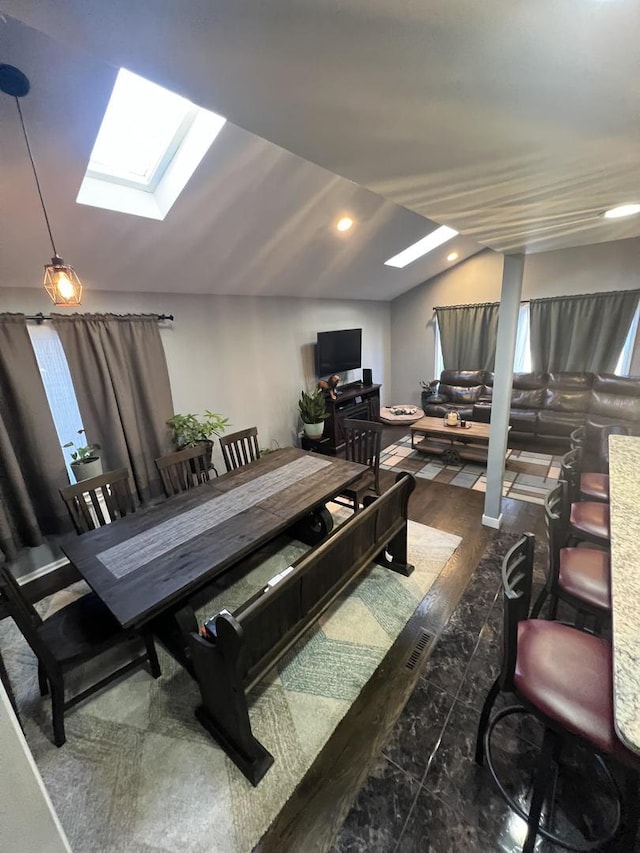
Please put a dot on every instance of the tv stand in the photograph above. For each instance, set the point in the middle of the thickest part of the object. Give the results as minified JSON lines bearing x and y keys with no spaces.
{"x":355,"y":400}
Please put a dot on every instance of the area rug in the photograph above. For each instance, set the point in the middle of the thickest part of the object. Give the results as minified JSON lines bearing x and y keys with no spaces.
{"x":528,"y":476}
{"x":139,"y":775}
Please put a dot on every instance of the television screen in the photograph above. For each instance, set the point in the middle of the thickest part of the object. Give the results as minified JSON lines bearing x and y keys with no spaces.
{"x":339,"y":351}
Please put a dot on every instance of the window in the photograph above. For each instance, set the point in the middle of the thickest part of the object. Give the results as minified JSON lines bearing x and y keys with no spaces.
{"x":623,"y":367}
{"x":522,"y":358}
{"x":58,"y":386}
{"x":149,"y":144}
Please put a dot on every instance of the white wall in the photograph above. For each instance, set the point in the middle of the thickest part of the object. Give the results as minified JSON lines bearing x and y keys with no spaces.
{"x":28,"y":822}
{"x":584,"y":269}
{"x":245,"y":357}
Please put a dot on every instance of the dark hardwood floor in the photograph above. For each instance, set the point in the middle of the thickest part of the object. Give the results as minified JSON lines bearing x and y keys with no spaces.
{"x":312,"y":819}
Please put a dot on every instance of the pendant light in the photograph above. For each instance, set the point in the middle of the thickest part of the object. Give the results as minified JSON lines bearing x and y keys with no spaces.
{"x":60,"y":280}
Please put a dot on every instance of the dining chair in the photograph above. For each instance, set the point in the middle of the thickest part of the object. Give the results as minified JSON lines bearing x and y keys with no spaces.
{"x":363,"y":440}
{"x":563,"y":677}
{"x":68,"y":638}
{"x":183,"y":469}
{"x":240,"y":448}
{"x":579,"y":576}
{"x":99,"y":500}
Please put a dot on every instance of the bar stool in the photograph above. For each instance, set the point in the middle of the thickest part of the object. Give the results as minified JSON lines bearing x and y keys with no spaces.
{"x":579,"y":576}
{"x":587,"y":486}
{"x":564,"y":678}
{"x":588,"y":520}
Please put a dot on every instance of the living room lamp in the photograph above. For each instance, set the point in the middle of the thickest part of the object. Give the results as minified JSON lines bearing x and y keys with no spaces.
{"x":60,"y":280}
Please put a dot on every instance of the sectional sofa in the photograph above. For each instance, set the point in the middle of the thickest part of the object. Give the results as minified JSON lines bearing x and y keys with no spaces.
{"x":545,"y":407}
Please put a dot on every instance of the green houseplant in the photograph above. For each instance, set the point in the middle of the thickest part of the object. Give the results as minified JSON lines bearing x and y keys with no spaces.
{"x":313,"y":412}
{"x":190,"y":430}
{"x":85,"y":460}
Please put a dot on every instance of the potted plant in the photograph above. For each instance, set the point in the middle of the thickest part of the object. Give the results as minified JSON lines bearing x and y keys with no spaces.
{"x":190,"y":430}
{"x":313,"y":412}
{"x":86,"y":461}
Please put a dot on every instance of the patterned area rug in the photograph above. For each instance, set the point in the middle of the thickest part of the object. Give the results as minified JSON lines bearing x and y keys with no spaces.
{"x":138,"y":774}
{"x":527,"y":477}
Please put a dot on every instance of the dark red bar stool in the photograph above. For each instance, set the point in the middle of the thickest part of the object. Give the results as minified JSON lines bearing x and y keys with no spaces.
{"x":579,"y":576}
{"x":588,"y":520}
{"x":563,"y":677}
{"x":587,"y":486}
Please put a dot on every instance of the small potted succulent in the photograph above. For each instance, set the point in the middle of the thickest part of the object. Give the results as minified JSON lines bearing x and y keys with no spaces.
{"x":190,"y":430}
{"x":313,"y":412}
{"x":85,"y":460}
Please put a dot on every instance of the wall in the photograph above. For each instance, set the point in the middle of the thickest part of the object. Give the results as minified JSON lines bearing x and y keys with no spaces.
{"x":28,"y":822}
{"x":584,"y":269}
{"x":245,"y":357}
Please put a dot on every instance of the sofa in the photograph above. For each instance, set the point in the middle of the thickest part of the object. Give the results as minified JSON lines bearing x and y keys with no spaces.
{"x":545,"y":407}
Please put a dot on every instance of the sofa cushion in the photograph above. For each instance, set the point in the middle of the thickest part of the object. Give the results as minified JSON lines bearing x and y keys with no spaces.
{"x":465,"y":378}
{"x":615,"y":398}
{"x":567,"y":400}
{"x":558,"y":423}
{"x":462,"y":386}
{"x":523,"y":420}
{"x":439,"y":410}
{"x":570,"y":381}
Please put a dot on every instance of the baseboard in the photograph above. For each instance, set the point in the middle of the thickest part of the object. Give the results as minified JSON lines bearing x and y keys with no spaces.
{"x":43,"y":570}
{"x":489,"y":521}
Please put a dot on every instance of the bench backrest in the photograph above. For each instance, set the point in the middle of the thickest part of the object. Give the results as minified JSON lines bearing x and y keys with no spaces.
{"x":273,"y":620}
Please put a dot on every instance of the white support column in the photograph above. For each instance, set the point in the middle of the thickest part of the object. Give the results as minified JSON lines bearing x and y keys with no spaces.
{"x":502,"y":380}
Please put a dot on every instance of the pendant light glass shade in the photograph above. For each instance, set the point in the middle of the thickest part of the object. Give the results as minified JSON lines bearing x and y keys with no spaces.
{"x":60,"y":280}
{"x":62,"y":283}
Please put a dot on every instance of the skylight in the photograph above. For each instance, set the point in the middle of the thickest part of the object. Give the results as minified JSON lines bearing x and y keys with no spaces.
{"x":422,"y":247}
{"x":149,"y":144}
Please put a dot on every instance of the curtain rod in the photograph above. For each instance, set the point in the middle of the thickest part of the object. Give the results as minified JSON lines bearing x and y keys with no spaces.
{"x":541,"y":299}
{"x":40,"y":317}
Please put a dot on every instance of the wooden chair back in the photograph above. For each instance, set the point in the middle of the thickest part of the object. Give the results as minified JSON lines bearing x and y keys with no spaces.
{"x":99,"y":500}
{"x":183,"y":469}
{"x":363,"y":440}
{"x":240,"y":448}
{"x":23,"y":614}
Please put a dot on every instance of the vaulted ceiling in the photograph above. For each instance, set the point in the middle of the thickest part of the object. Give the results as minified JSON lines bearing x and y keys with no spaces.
{"x":515,"y":123}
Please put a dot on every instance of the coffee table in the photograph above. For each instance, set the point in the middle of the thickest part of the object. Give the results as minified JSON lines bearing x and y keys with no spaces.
{"x":430,"y":435}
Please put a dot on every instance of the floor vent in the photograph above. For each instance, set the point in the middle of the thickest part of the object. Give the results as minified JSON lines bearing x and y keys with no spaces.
{"x":422,"y":643}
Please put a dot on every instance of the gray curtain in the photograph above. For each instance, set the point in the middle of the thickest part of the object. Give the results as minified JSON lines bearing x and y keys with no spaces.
{"x":32,"y":465}
{"x":581,"y":333}
{"x":468,"y":336}
{"x":120,"y":376}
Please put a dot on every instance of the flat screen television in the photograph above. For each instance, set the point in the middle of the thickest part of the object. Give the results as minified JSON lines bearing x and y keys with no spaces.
{"x":339,"y":351}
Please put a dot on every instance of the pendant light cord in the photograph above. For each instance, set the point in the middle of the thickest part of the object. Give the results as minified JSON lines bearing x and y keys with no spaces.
{"x":35,"y":175}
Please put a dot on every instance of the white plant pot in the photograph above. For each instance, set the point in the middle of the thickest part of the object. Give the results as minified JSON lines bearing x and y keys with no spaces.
{"x":314,"y":430}
{"x":85,"y":470}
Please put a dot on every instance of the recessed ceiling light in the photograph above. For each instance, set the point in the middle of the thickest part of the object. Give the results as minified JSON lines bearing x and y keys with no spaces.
{"x":452,"y":256}
{"x":622,"y":210}
{"x":417,"y":250}
{"x":344,"y":224}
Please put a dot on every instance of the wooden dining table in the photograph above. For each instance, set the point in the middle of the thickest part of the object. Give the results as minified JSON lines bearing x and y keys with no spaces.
{"x":146,"y":566}
{"x":624,"y":487}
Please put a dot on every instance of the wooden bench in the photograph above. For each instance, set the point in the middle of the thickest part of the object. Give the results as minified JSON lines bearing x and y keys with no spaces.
{"x":238,"y":649}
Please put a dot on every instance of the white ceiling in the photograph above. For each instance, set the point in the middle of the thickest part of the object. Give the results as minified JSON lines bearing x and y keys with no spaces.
{"x":516,"y":123}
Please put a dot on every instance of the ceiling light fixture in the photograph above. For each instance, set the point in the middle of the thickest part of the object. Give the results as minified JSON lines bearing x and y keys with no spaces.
{"x":622,"y":210}
{"x":417,"y":250}
{"x":452,"y":256}
{"x":60,"y":280}
{"x":344,"y":224}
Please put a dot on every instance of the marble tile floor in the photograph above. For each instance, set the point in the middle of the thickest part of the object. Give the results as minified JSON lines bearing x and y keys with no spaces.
{"x":426,"y":794}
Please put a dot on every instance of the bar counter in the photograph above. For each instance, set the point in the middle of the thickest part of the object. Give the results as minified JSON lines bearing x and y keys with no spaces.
{"x":624,"y":473}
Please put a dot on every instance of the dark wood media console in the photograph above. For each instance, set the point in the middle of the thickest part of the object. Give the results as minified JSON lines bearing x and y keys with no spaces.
{"x":240,"y":648}
{"x":353,"y":401}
